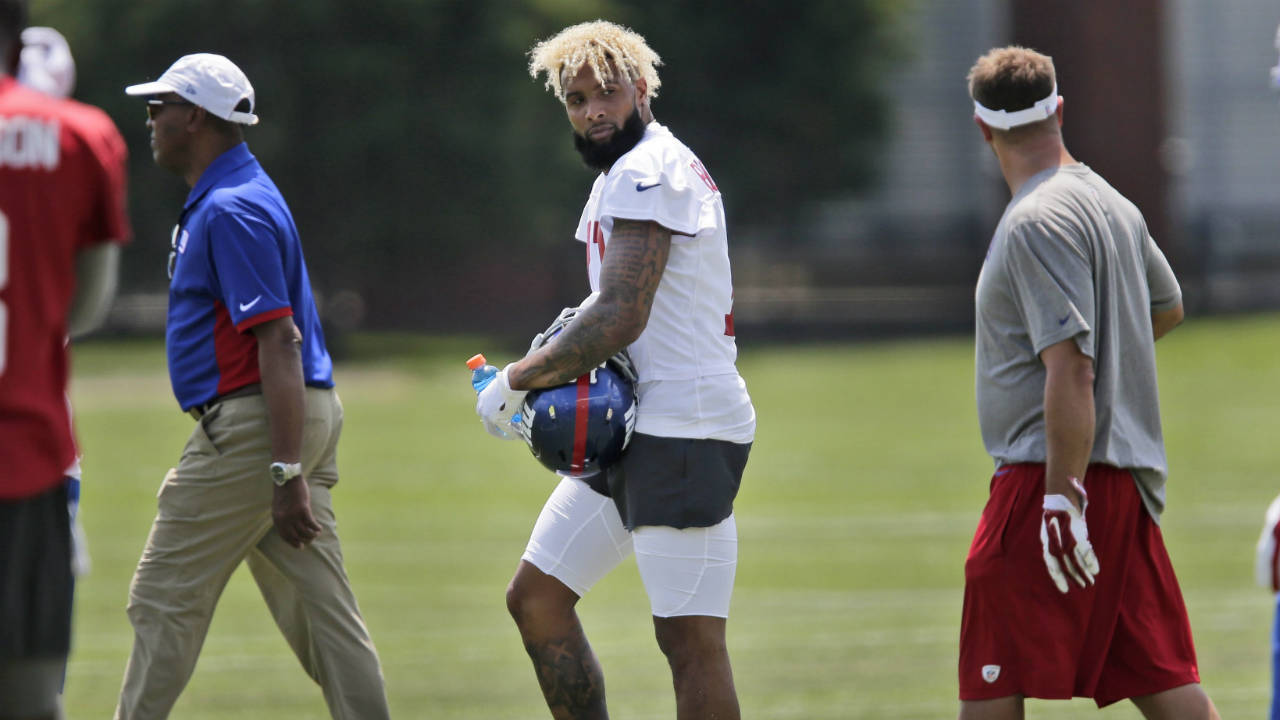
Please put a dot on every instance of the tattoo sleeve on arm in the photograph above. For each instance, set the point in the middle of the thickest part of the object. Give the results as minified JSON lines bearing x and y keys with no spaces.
{"x":632,"y":268}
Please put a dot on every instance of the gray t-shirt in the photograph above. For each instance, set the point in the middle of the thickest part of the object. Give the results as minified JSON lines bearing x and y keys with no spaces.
{"x":1072,"y":258}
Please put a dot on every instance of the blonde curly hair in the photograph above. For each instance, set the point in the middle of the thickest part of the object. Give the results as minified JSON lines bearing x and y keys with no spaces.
{"x":598,"y":44}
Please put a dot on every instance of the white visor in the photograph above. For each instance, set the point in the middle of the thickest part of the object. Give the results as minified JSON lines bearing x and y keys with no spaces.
{"x":1275,"y":71}
{"x":1275,"y":77}
{"x":1003,"y":119}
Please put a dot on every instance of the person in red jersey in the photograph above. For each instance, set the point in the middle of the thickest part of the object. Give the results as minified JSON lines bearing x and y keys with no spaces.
{"x":62,"y":218}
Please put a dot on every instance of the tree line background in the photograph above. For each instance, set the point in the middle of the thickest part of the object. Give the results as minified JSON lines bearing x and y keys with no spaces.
{"x":434,"y":182}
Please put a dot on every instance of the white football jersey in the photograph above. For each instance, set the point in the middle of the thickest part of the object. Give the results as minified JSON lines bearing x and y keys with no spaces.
{"x":685,"y":358}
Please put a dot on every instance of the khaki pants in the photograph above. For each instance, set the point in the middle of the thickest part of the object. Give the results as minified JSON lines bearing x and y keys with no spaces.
{"x":214,"y":511}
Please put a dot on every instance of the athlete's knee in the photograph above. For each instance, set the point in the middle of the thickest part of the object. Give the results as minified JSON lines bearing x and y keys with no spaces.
{"x":519,"y":600}
{"x":1186,"y":702}
{"x":690,"y":639}
{"x":534,"y":597}
{"x":143,"y":605}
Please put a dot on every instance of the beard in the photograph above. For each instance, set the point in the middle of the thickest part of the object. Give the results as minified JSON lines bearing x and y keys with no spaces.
{"x":602,"y":156}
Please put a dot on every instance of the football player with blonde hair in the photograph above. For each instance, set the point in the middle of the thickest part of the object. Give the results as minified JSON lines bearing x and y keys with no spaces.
{"x":658,"y":268}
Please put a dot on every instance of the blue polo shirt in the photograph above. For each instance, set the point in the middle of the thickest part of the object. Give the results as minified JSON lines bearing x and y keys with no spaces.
{"x":237,"y":262}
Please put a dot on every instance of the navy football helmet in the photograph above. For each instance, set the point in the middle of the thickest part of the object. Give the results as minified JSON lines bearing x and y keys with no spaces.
{"x":581,"y":427}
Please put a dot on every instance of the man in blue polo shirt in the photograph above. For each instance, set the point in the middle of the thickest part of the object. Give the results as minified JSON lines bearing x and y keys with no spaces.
{"x":247,"y":360}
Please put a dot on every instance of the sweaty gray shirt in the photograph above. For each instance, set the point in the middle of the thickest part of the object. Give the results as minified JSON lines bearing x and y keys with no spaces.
{"x":1072,"y":259}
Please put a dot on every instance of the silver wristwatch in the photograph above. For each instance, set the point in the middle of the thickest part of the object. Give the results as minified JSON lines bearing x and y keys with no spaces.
{"x":282,"y":473}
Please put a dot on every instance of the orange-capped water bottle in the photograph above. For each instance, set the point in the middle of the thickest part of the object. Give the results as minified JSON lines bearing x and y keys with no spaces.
{"x":482,"y":373}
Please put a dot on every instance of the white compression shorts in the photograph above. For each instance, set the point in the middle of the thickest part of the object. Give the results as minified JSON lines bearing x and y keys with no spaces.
{"x":579,"y":538}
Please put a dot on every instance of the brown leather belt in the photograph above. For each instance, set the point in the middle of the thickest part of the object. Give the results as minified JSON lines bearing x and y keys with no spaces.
{"x":199,"y":411}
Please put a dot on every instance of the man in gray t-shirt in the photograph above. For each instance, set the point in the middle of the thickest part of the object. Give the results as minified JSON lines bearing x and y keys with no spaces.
{"x":1071,"y":260}
{"x":1072,"y":296}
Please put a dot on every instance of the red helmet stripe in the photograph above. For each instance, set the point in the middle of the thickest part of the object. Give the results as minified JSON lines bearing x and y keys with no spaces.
{"x":580,"y":424}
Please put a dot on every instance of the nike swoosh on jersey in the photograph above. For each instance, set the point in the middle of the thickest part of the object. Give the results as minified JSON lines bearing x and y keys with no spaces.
{"x":641,"y":187}
{"x":251,"y":303}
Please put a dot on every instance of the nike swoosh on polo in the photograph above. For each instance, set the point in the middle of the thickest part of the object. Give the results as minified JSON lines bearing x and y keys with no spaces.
{"x":641,"y":187}
{"x":251,"y":303}
{"x":1063,"y":321}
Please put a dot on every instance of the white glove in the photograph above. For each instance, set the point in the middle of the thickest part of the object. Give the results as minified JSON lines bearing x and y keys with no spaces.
{"x":1064,"y":538}
{"x":509,"y":433}
{"x":1266,"y":570}
{"x":496,"y":403}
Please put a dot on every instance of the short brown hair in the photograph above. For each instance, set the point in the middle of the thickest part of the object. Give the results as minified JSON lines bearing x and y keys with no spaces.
{"x":1011,"y":78}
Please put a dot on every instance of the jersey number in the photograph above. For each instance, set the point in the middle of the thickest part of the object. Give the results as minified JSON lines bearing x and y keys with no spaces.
{"x":4,"y":282}
{"x":595,"y":236}
{"x":701,"y":171}
{"x":728,"y":319}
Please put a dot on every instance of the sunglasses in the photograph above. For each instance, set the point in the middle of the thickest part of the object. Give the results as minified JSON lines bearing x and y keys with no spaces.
{"x":155,"y":105}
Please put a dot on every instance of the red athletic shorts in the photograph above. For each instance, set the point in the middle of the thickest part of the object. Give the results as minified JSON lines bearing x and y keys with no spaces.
{"x":1126,"y":636}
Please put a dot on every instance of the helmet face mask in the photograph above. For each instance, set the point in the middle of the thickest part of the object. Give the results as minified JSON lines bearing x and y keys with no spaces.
{"x":580,"y":428}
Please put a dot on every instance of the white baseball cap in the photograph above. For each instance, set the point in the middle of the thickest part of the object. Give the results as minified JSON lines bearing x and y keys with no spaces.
{"x":210,"y":81}
{"x":46,"y":63}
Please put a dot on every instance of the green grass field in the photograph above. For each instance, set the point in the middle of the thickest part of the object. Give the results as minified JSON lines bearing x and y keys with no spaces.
{"x":856,"y":512}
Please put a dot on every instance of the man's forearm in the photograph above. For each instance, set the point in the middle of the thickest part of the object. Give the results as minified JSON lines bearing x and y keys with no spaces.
{"x":1165,"y":320}
{"x":97,"y":268}
{"x":630,"y":272}
{"x":1069,"y":428}
{"x":280,"y":362}
{"x":593,"y":337}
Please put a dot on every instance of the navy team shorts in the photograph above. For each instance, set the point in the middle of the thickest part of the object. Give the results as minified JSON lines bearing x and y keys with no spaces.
{"x":35,"y":576}
{"x":674,"y":482}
